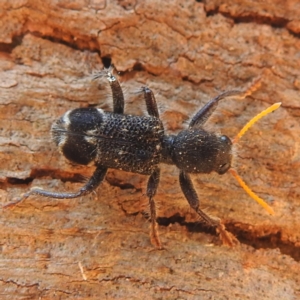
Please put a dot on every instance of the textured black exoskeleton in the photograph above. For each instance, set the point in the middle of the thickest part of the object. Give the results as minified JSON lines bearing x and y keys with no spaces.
{"x":139,"y":144}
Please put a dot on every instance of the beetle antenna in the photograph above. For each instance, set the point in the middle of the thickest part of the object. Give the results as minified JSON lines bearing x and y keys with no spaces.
{"x":255,"y":119}
{"x":259,"y":200}
{"x":236,"y":139}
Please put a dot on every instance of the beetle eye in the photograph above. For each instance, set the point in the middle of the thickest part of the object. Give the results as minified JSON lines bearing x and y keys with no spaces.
{"x":225,"y":139}
{"x":224,"y":168}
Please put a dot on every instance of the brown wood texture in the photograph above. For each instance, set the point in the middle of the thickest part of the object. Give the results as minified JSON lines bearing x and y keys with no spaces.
{"x":97,"y":246}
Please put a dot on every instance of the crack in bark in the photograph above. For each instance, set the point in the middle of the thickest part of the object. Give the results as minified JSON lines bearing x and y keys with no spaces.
{"x":250,"y":17}
{"x":64,"y":177}
{"x":41,"y":173}
{"x":19,"y":284}
{"x":16,"y":41}
{"x":271,"y":240}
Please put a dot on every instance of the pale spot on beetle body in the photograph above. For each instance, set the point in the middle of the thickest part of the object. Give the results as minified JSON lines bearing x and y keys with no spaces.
{"x":66,"y":119}
{"x":101,"y":112}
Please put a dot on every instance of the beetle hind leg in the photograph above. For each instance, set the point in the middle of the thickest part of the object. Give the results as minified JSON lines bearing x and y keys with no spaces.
{"x":116,"y":89}
{"x":90,"y":186}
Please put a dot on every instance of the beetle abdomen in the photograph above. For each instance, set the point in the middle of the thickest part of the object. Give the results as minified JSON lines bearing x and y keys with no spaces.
{"x":130,"y":143}
{"x":70,"y":133}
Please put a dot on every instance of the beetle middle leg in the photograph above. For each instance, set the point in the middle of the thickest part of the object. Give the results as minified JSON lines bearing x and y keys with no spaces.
{"x":150,"y":102}
{"x":192,"y":197}
{"x":154,"y":178}
{"x":151,"y":191}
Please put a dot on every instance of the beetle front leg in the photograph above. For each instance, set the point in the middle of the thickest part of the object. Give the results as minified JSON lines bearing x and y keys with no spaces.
{"x":192,"y":197}
{"x":151,"y":191}
{"x":206,"y":111}
{"x":90,"y":186}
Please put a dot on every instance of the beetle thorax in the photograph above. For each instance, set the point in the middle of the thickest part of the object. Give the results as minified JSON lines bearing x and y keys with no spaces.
{"x":199,"y":151}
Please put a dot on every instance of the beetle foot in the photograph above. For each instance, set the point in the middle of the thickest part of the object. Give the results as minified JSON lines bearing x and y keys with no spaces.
{"x":227,"y":237}
{"x":154,"y":236}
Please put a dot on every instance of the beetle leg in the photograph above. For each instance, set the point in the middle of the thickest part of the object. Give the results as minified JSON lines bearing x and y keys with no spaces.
{"x":151,"y":191}
{"x":117,"y":93}
{"x":205,"y":112}
{"x":192,"y":197}
{"x":90,"y":186}
{"x":150,"y":102}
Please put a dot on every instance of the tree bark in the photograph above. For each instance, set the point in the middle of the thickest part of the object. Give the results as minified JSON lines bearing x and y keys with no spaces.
{"x":98,"y":246}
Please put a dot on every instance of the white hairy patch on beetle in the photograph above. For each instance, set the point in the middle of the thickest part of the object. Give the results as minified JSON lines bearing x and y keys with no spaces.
{"x":101,"y":112}
{"x":66,"y":118}
{"x":92,"y":132}
{"x":59,"y":133}
{"x":91,"y":140}
{"x":90,"y":136}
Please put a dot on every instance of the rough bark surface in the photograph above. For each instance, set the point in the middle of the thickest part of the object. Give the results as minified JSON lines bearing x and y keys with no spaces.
{"x":98,"y":246}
